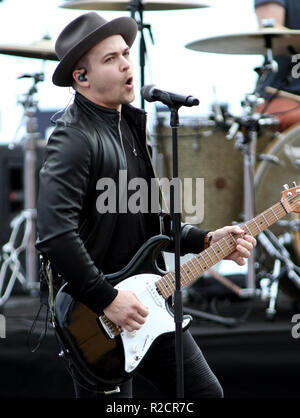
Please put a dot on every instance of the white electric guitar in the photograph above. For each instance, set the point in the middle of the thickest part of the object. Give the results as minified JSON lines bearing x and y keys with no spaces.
{"x":104,"y":353}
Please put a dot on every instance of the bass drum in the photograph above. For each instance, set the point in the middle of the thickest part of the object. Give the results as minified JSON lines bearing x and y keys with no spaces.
{"x":284,"y":152}
{"x":205,"y":153}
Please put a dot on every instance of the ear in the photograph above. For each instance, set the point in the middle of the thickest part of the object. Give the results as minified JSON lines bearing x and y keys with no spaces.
{"x":78,"y":77}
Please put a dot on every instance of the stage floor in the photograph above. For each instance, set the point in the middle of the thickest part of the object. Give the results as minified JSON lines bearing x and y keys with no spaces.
{"x":253,"y":358}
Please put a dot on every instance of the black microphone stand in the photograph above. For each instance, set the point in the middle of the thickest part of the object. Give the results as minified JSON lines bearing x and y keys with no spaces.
{"x":175,"y":205}
{"x":174,"y":102}
{"x":136,"y":6}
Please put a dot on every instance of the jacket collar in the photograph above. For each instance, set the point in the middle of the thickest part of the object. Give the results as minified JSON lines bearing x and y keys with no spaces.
{"x":129,"y":111}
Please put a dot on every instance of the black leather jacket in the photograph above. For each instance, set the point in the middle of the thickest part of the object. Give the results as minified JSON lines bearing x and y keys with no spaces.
{"x":85,"y":146}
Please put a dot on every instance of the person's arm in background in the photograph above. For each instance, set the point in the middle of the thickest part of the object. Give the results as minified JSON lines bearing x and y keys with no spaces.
{"x":271,"y":10}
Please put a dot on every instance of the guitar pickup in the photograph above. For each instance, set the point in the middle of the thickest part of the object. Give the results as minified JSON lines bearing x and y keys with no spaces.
{"x":159,"y":300}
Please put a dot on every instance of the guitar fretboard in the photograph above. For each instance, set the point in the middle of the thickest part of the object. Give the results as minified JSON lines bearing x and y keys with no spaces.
{"x":192,"y":269}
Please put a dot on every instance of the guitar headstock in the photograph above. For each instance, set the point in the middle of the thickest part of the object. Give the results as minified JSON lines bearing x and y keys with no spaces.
{"x":290,"y":198}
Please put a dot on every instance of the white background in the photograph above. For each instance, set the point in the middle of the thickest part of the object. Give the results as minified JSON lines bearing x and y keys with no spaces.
{"x":171,"y":66}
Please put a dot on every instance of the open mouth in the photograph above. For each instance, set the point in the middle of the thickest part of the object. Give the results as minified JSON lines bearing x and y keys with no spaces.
{"x":129,"y":81}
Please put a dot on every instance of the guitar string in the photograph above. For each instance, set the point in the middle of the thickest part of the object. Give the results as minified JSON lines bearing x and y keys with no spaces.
{"x":275,"y":210}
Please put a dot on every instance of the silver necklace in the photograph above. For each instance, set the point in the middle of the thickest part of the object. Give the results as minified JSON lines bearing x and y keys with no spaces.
{"x":133,"y":149}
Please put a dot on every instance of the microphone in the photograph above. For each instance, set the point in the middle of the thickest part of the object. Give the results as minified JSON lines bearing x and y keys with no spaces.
{"x":152,"y":94}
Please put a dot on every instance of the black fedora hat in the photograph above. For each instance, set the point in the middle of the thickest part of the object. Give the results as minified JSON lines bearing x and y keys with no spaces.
{"x":82,"y":34}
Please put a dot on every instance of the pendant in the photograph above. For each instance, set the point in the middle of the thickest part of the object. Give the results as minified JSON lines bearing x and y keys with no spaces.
{"x":134,"y":152}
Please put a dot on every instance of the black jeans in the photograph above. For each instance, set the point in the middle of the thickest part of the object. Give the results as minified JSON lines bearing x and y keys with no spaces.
{"x":159,"y":368}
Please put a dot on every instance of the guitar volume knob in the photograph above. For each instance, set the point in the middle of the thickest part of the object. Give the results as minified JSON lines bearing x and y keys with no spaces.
{"x":132,"y":364}
{"x":134,"y":348}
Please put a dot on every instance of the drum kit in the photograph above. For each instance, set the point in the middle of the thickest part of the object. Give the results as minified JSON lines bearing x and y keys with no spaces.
{"x":280,"y":162}
{"x":261,"y":171}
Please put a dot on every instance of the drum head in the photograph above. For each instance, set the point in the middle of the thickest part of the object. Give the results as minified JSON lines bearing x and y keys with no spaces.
{"x":281,"y":166}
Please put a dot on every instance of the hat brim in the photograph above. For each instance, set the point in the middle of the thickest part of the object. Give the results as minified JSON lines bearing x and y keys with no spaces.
{"x":124,"y":26}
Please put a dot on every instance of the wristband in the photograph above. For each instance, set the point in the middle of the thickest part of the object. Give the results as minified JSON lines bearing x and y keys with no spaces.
{"x":207,"y":240}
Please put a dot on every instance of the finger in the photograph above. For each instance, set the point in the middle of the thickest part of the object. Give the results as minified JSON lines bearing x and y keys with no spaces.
{"x":237,"y":230}
{"x":251,"y":239}
{"x":236,"y":257}
{"x":245,"y":244}
{"x":141,"y":308}
{"x":243,"y":252}
{"x":143,"y":311}
{"x":139,"y":319}
{"x":240,"y":261}
{"x":132,"y":326}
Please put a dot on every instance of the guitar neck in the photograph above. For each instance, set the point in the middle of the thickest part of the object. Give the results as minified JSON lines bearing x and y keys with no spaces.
{"x":192,"y":269}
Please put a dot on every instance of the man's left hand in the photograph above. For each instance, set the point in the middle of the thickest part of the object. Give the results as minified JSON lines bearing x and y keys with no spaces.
{"x":245,"y":243}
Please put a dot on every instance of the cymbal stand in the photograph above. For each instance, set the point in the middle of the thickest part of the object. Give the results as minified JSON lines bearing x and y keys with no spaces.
{"x":30,"y":143}
{"x":283,"y":265}
{"x":246,"y":129}
{"x":137,"y":7}
{"x":28,"y":215}
{"x":269,"y":66}
{"x":10,"y":269}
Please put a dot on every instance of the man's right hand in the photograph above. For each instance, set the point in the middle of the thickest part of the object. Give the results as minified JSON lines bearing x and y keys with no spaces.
{"x":127,"y":311}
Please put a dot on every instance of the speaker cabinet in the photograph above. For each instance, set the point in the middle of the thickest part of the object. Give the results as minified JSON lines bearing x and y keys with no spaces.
{"x":12,"y":191}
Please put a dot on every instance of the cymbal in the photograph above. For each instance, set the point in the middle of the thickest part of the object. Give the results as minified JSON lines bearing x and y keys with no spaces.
{"x":43,"y":49}
{"x":123,"y":5}
{"x":252,"y":43}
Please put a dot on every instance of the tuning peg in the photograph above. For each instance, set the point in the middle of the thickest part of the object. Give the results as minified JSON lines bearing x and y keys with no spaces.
{"x":294,"y":184}
{"x":285,"y":187}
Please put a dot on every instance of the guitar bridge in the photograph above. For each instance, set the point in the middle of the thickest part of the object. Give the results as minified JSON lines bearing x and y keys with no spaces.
{"x":112,"y":330}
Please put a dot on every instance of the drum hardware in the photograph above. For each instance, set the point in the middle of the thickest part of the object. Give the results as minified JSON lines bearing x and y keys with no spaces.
{"x":10,"y":255}
{"x":27,"y":217}
{"x":266,"y":42}
{"x":136,"y":7}
{"x":221,"y":116}
{"x":230,"y":322}
{"x":269,"y":289}
{"x":282,"y":93}
{"x":283,"y":265}
{"x":293,"y":225}
{"x":269,"y":158}
{"x":284,"y":148}
{"x":43,"y":49}
{"x":248,"y":128}
{"x":270,"y":65}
